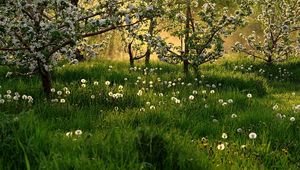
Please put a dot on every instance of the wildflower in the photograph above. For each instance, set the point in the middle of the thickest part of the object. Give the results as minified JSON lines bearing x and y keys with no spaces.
{"x":191,"y":97}
{"x":69,"y":134}
{"x":195,"y":92}
{"x":96,"y":83}
{"x":30,"y":99}
{"x":78,"y":132}
{"x":142,"y":109}
{"x":148,"y":103}
{"x":230,"y":101}
{"x":212,"y":92}
{"x":125,"y":79}
{"x":8,"y":91}
{"x":203,"y":91}
{"x":293,"y":94}
{"x":215,"y":120}
{"x":16,"y":98}
{"x":52,"y":90}
{"x":224,"y":104}
{"x":221,"y":146}
{"x":68,"y":92}
{"x":140,"y":93}
{"x":59,"y":93}
{"x":62,"y":100}
{"x":93,"y":96}
{"x":224,"y":136}
{"x":2,"y":101}
{"x":252,"y":135}
{"x":249,"y":96}
{"x":239,"y":130}
{"x":243,"y":146}
{"x":83,"y":81}
{"x":24,"y":97}
{"x":152,"y":107}
{"x":177,"y":101}
{"x":220,"y":100}
{"x":297,"y":107}
{"x":233,"y":116}
{"x":83,"y":85}
{"x":292,"y":119}
{"x":107,"y":83}
{"x":275,"y":107}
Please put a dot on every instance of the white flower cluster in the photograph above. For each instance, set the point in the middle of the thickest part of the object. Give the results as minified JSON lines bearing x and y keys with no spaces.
{"x":14,"y":97}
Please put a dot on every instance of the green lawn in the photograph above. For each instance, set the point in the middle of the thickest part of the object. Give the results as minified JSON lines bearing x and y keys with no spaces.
{"x":153,"y":118}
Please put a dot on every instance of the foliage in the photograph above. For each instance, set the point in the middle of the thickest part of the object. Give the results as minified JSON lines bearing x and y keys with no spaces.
{"x":280,"y":23}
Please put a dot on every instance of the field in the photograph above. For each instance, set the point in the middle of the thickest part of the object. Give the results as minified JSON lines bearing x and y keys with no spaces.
{"x":105,"y":115}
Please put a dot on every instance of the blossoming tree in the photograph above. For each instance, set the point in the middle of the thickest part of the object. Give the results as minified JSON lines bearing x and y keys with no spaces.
{"x":34,"y":35}
{"x":138,"y":39}
{"x":201,"y":33}
{"x":280,"y":22}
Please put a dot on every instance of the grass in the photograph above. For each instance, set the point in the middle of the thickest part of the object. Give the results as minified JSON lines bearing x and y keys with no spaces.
{"x":124,"y":133}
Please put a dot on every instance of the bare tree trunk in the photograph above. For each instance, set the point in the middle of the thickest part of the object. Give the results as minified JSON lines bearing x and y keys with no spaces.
{"x":46,"y":81}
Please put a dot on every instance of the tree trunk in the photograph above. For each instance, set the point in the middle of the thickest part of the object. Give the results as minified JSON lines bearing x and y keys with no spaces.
{"x":269,"y":60}
{"x":151,"y":32}
{"x":186,"y":38}
{"x":186,"y":67}
{"x":131,"y":60}
{"x":46,"y":81}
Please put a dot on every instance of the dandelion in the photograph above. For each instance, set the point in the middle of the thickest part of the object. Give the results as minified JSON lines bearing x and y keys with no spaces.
{"x":191,"y":97}
{"x":142,"y":109}
{"x":249,"y":96}
{"x":83,"y":85}
{"x":93,"y":96}
{"x":8,"y":91}
{"x":292,"y":119}
{"x":195,"y":92}
{"x":221,"y":146}
{"x":152,"y":107}
{"x":224,"y":136}
{"x":212,"y":92}
{"x":62,"y":101}
{"x":239,"y":130}
{"x":140,"y":93}
{"x":68,"y":92}
{"x":297,"y":108}
{"x":177,"y":101}
{"x":59,"y":93}
{"x":224,"y":104}
{"x":69,"y":134}
{"x":293,"y":94}
{"x":243,"y":146}
{"x":233,"y":116}
{"x":96,"y":83}
{"x":215,"y":120}
{"x":24,"y":97}
{"x":16,"y":98}
{"x":148,"y":103}
{"x":230,"y":101}
{"x":275,"y":107}
{"x":220,"y":100}
{"x":107,"y":83}
{"x":78,"y":132}
{"x":83,"y":81}
{"x":2,"y":101}
{"x":52,"y":90}
{"x":30,"y":99}
{"x":252,"y":135}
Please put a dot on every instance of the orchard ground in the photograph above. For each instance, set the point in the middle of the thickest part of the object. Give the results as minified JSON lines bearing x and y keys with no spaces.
{"x":103,"y":115}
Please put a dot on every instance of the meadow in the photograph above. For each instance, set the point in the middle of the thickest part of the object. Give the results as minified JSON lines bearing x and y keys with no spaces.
{"x":105,"y":115}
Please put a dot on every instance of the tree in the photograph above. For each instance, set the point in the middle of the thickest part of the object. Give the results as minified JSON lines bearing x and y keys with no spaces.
{"x":280,"y":21}
{"x":34,"y":35}
{"x":138,"y":38}
{"x":201,"y":33}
